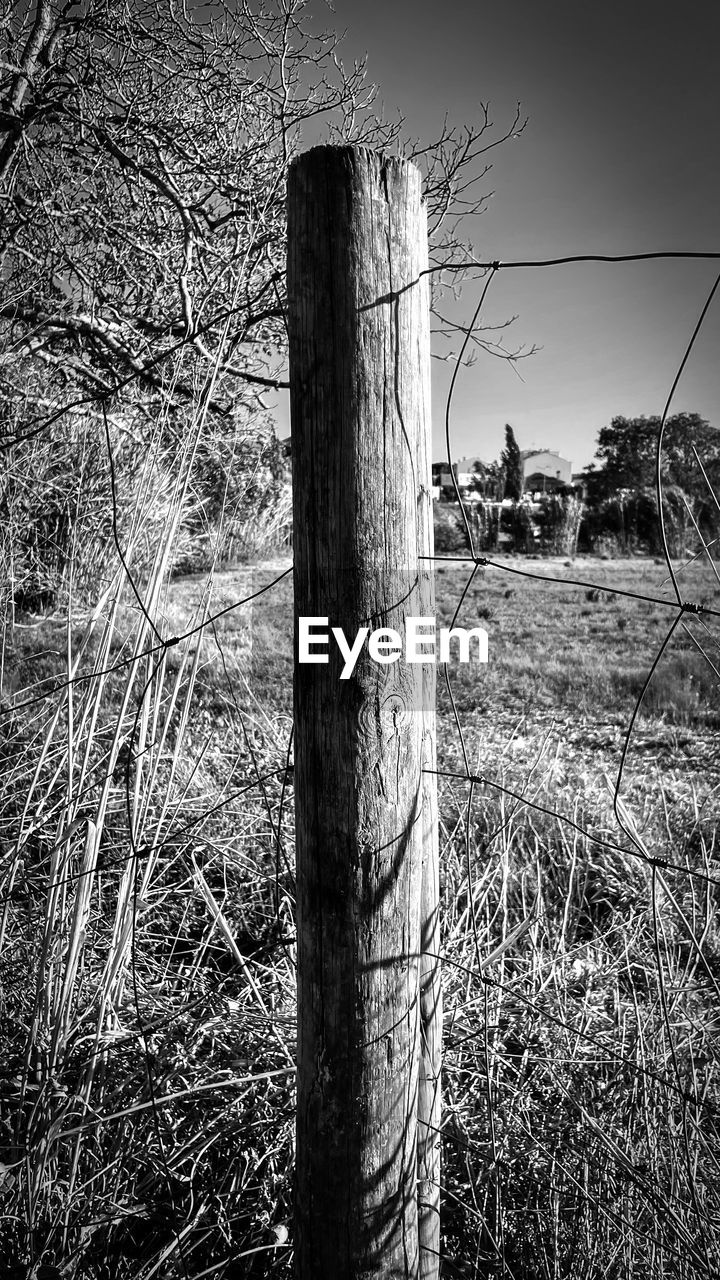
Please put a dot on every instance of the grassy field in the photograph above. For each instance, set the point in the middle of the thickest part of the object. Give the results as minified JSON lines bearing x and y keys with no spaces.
{"x":147,"y":931}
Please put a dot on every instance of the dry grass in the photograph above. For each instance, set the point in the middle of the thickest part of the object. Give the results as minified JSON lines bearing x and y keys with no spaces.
{"x":147,"y":936}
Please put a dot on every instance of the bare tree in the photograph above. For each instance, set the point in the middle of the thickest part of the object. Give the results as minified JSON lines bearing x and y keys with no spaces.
{"x":143,"y":153}
{"x":142,"y":176}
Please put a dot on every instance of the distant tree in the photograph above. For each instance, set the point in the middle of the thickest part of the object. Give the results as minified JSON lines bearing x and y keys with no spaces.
{"x":629,"y":449}
{"x":478,"y":484}
{"x":511,"y":461}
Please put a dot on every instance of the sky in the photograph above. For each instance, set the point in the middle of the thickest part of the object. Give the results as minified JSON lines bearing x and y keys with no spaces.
{"x":620,"y":155}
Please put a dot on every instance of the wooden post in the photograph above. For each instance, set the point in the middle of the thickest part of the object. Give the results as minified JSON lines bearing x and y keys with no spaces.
{"x":369,"y":1013}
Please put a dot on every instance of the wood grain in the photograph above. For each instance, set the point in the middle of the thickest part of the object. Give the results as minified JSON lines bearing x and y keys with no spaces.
{"x":366,"y":823}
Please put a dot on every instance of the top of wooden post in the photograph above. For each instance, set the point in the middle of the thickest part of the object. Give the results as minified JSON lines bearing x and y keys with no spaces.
{"x":350,"y":157}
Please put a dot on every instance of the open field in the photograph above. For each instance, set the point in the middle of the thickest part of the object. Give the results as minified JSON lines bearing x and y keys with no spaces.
{"x":147,"y":932}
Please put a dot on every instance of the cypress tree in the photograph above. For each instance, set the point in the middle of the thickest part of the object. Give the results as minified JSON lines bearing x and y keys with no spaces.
{"x":512,"y":462}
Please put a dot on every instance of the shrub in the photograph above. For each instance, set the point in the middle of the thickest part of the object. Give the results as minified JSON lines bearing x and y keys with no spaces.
{"x":627,"y":522}
{"x":450,"y":534}
{"x":241,"y":483}
{"x":62,"y":505}
{"x":561,"y":516}
{"x":58,"y":508}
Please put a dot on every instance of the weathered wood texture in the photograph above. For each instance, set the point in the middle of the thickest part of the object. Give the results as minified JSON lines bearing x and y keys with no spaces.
{"x":369,"y":1013}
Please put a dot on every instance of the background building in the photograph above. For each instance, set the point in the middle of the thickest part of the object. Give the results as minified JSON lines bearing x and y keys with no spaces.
{"x":466,"y":472}
{"x":545,"y":470}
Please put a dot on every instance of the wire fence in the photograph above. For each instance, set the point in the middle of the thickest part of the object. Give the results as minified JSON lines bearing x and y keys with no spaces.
{"x":148,"y":889}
